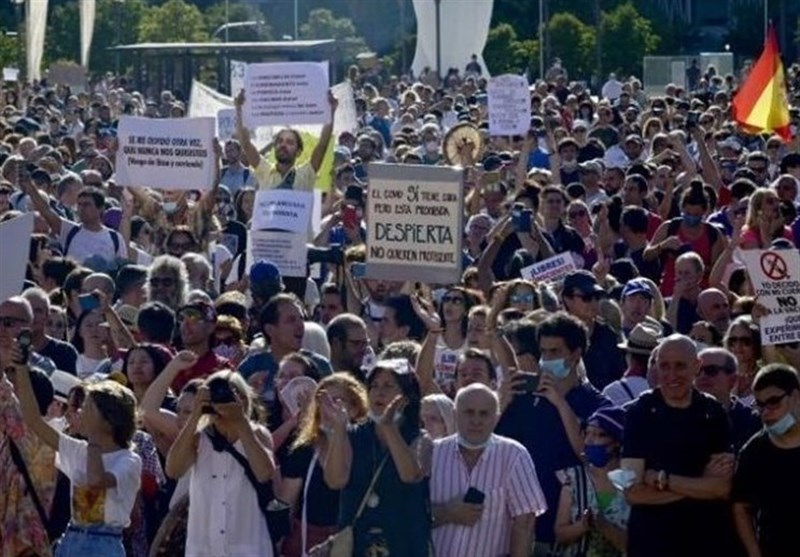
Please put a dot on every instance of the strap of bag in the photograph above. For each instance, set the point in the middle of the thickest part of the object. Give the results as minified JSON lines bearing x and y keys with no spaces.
{"x":369,"y":489}
{"x":242,"y":460}
{"x":19,"y":462}
{"x":627,"y":389}
{"x":303,"y":522}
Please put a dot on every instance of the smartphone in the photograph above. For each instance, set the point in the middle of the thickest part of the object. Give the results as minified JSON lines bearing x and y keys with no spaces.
{"x":474,"y":496}
{"x":531,"y":382}
{"x":692,"y":119}
{"x":221,"y":392}
{"x":24,"y":339}
{"x":521,"y":218}
{"x":349,"y":216}
{"x":88,"y":302}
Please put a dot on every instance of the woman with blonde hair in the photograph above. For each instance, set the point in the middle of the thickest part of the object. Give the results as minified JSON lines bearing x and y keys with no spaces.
{"x":764,"y":222}
{"x":226,"y":454}
{"x":302,"y":486}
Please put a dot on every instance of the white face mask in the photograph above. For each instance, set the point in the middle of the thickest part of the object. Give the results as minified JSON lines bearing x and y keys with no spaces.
{"x":473,"y":446}
{"x":398,"y":417}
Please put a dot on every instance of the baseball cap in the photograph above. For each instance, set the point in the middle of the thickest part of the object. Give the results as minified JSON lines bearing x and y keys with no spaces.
{"x":198,"y":309}
{"x":265,"y":279}
{"x":583,"y":281}
{"x":637,"y":286}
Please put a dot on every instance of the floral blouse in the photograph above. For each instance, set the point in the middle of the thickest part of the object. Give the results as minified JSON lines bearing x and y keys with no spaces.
{"x":21,"y":529}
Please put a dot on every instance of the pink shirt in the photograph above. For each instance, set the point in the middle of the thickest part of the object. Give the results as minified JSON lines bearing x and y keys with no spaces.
{"x":505,"y":474}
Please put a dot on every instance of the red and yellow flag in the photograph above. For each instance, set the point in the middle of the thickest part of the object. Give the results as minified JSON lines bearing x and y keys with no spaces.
{"x":761,"y":105}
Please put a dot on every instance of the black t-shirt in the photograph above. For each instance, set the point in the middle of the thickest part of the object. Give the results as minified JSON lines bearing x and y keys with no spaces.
{"x":604,"y":361}
{"x":679,"y":441}
{"x":63,"y":354}
{"x":565,"y":238}
{"x":744,"y":423}
{"x":767,"y":478}
{"x":323,"y":509}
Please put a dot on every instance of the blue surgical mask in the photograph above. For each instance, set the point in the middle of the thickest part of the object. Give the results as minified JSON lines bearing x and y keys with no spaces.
{"x":596,"y":455}
{"x":781,"y":426}
{"x":557,"y":367}
{"x":473,"y":446}
{"x":691,"y":220}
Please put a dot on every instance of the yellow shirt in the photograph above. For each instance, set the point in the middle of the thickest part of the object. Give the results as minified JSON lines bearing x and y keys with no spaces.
{"x":269,"y":176}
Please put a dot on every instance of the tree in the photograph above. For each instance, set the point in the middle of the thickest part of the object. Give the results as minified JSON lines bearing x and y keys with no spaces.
{"x":627,"y":39}
{"x":215,"y":18}
{"x":9,"y":53}
{"x":174,"y":21}
{"x":573,"y":42}
{"x":322,"y":24}
{"x":505,"y":53}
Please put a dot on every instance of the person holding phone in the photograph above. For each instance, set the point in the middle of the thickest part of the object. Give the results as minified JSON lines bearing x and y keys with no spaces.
{"x":484,"y":489}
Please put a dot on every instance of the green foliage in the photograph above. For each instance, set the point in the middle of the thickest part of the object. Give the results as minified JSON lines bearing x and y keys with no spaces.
{"x":173,"y":22}
{"x":573,"y":42}
{"x":626,"y":38}
{"x":9,"y":53}
{"x":322,"y":24}
{"x":215,"y":17}
{"x":505,"y":53}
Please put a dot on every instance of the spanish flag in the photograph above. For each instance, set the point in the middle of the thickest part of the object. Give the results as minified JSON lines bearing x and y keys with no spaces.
{"x":761,"y":106}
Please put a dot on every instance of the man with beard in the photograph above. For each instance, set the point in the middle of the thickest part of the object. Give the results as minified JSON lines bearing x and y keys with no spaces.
{"x":349,"y":341}
{"x":285,"y":173}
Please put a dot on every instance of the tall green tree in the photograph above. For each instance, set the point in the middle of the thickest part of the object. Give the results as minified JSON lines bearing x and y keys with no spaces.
{"x":627,"y":37}
{"x":573,"y":41}
{"x":174,"y":21}
{"x":505,"y":53}
{"x":322,"y":24}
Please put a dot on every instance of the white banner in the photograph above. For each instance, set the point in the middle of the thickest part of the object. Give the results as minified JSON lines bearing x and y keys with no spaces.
{"x":286,"y":210}
{"x":550,"y":269}
{"x":287,"y":250}
{"x":206,"y":102}
{"x":15,"y":235}
{"x":414,"y":230}
{"x":36,"y":26}
{"x":237,"y":77}
{"x":775,"y":276}
{"x":10,"y":74}
{"x":286,"y":93}
{"x":509,"y":103}
{"x":170,"y":154}
{"x":87,"y":9}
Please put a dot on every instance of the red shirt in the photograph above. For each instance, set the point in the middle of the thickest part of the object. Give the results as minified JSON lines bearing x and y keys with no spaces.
{"x":205,"y":366}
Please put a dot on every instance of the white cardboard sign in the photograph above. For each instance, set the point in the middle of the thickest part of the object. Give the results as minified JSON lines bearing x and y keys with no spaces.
{"x":550,"y":269}
{"x":286,"y":210}
{"x":10,"y":74}
{"x":509,"y":104}
{"x":287,"y":250}
{"x":15,"y":236}
{"x":171,"y":154}
{"x":775,"y":275}
{"x":286,"y":93}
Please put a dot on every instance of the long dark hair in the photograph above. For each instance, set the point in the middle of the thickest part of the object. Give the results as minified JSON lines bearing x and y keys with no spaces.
{"x":158,"y":355}
{"x":471,"y":298}
{"x":77,"y":339}
{"x":409,"y":385}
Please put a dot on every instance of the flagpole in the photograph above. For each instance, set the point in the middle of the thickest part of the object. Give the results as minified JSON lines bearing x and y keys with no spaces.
{"x":766,"y":18}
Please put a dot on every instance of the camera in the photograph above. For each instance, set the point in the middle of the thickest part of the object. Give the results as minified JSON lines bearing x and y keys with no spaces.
{"x":220,"y":391}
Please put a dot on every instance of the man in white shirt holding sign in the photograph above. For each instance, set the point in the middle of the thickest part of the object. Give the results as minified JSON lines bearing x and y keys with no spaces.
{"x":284,"y":174}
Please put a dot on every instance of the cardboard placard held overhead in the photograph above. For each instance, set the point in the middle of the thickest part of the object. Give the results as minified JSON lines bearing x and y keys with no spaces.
{"x":415,"y":224}
{"x":775,"y":275}
{"x":551,"y":269}
{"x":509,"y":104}
{"x":15,"y":235}
{"x":170,"y":154}
{"x":286,"y":93}
{"x":286,"y":210}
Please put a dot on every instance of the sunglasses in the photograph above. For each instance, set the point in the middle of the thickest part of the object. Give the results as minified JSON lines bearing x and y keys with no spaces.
{"x":746,"y":341}
{"x":166,"y":282}
{"x":770,"y":403}
{"x":714,"y":370}
{"x":453,"y":300}
{"x":190,"y":315}
{"x":577,"y":214}
{"x":9,"y":322}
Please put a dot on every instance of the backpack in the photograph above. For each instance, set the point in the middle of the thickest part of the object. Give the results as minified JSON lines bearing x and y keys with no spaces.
{"x":72,"y":233}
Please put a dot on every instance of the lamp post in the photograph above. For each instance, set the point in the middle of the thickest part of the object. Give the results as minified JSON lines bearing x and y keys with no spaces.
{"x":20,"y":29}
{"x":438,"y":4}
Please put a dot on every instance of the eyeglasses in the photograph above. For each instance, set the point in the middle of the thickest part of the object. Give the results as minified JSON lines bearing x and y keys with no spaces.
{"x":522,"y":298}
{"x":453,"y":300}
{"x":577,"y":214}
{"x":10,"y":322}
{"x":746,"y":341}
{"x":166,"y":282}
{"x":770,"y":403}
{"x":714,"y":370}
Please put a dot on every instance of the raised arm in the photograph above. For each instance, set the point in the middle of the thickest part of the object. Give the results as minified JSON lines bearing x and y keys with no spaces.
{"x":708,"y":168}
{"x":43,"y":207}
{"x":337,"y":456}
{"x":155,"y":419}
{"x":404,"y":457}
{"x":183,"y":453}
{"x":30,"y":408}
{"x":243,"y":134}
{"x":325,"y":137}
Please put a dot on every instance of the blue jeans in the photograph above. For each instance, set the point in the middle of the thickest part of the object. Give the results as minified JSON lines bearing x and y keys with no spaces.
{"x":80,"y":541}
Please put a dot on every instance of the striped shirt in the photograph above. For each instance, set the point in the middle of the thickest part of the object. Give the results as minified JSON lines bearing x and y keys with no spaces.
{"x":505,"y":474}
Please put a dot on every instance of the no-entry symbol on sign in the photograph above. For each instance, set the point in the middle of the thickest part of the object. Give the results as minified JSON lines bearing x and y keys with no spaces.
{"x":774,"y":266}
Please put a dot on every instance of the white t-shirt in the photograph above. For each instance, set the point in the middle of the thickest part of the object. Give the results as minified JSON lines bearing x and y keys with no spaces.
{"x":86,"y":243}
{"x":111,"y":506}
{"x":445,"y":361}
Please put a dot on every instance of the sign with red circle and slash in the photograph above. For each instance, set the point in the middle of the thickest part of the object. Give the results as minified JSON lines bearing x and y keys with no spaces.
{"x":774,"y":266}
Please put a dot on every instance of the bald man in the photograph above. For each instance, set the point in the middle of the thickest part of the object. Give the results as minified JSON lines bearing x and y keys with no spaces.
{"x":677,"y":442}
{"x":713,"y":306}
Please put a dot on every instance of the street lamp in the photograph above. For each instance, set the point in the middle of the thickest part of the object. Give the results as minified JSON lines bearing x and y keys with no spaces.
{"x":235,"y":25}
{"x":438,"y":37}
{"x":18,"y":16}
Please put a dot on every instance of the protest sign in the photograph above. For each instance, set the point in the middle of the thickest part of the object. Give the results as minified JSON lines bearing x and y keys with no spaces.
{"x":415,"y":223}
{"x":287,"y":250}
{"x":10,"y":74}
{"x":171,"y":154}
{"x":286,"y":210}
{"x":226,"y":124}
{"x":237,"y":77}
{"x":206,"y":102}
{"x":15,"y":235}
{"x":550,"y":269}
{"x":346,"y":118}
{"x":286,"y":93}
{"x":775,"y":276}
{"x":509,"y":105}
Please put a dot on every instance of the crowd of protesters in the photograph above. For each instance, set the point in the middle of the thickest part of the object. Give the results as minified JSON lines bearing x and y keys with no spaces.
{"x":160,"y":397}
